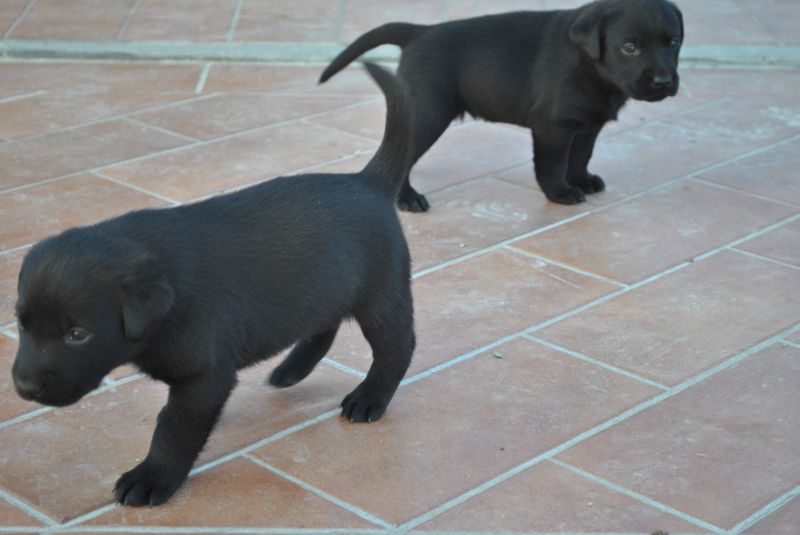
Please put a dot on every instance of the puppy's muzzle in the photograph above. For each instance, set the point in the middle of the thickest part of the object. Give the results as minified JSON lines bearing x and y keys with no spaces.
{"x":29,"y":387}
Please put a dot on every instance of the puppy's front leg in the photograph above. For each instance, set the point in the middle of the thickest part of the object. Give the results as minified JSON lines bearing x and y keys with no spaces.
{"x":580,"y":153}
{"x":551,"y":146}
{"x":183,"y":427}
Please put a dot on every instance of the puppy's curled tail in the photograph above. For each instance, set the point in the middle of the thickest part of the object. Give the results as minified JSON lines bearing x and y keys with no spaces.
{"x":393,"y":33}
{"x":392,"y":161}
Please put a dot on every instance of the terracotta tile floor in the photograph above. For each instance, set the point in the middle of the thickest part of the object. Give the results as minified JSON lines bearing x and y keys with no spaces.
{"x":622,"y":366}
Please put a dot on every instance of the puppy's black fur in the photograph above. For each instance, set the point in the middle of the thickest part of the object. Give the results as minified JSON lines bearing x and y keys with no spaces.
{"x":563,"y":74}
{"x":194,"y":293}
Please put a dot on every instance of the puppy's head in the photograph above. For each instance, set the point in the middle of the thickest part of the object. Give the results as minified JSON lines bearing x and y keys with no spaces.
{"x":87,"y":303}
{"x":635,"y":44}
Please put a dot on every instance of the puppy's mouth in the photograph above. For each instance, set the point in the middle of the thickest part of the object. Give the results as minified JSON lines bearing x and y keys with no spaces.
{"x":60,"y":397}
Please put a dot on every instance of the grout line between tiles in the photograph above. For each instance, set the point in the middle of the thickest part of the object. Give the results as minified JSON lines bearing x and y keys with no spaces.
{"x":18,"y":19}
{"x":137,"y":122}
{"x":134,"y":187}
{"x":744,"y":192}
{"x":16,"y":249}
{"x":565,"y":266}
{"x":124,"y":26}
{"x":27,"y":509}
{"x":264,"y":441}
{"x":609,"y":367}
{"x":21,"y":96}
{"x":110,"y":118}
{"x":237,"y":13}
{"x":766,"y":258}
{"x":201,"y":80}
{"x":461,"y":358}
{"x":10,"y":334}
{"x":552,"y":452}
{"x":319,"y":492}
{"x":90,"y":515}
{"x":342,"y":367}
{"x":42,"y":410}
{"x":730,"y":245}
{"x":790,"y":343}
{"x":638,"y":497}
{"x":239,"y":530}
{"x":765,"y":511}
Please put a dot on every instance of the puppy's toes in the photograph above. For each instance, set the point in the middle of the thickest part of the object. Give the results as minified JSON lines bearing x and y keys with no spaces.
{"x":144,"y":486}
{"x":565,"y":194}
{"x":359,"y":406}
{"x":590,"y":184}
{"x":413,"y":202}
{"x":282,"y":377}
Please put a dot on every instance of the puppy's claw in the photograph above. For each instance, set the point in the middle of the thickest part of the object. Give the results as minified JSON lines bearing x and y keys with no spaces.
{"x":144,"y":486}
{"x":358,"y":407}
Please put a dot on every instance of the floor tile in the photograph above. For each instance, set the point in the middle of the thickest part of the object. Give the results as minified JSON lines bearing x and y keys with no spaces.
{"x":634,"y":160}
{"x":65,"y":462}
{"x":180,"y":20}
{"x":721,"y":22}
{"x":12,"y":516}
{"x":238,"y":161}
{"x":457,"y":9}
{"x":467,"y":305}
{"x":719,"y":451}
{"x":92,"y":100}
{"x":11,"y":404}
{"x":469,"y":151}
{"x":637,"y":239}
{"x":776,"y":17}
{"x":104,"y":435}
{"x":235,"y":112}
{"x":287,"y":20}
{"x":779,"y":244}
{"x":477,"y":214}
{"x":294,"y":79}
{"x":688,"y":321}
{"x":740,"y":83}
{"x":93,"y":20}
{"x":486,"y":413}
{"x":361,"y":16}
{"x":784,"y":521}
{"x":367,"y":119}
{"x":31,"y":160}
{"x":215,"y":499}
{"x":36,"y":212}
{"x":548,"y":498}
{"x":9,"y":273}
{"x":772,"y":173}
{"x":9,"y":11}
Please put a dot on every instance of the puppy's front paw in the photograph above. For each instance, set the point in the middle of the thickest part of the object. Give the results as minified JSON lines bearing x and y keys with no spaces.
{"x":565,"y":194}
{"x":589,"y":184}
{"x":145,"y":485}
{"x":410,"y":201}
{"x":360,"y":406}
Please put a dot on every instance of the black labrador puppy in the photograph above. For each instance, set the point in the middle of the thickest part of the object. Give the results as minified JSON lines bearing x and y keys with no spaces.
{"x":194,"y":293}
{"x":563,"y":74}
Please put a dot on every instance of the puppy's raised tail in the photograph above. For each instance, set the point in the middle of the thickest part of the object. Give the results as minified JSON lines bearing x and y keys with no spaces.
{"x":394,"y":33}
{"x":393,"y":159}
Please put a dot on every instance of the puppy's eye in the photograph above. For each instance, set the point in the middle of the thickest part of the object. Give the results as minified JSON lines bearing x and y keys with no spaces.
{"x":674,"y":42}
{"x":77,"y":336}
{"x":630,"y":49}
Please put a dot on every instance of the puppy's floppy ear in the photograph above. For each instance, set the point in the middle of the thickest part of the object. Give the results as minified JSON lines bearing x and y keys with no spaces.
{"x":680,"y":19}
{"x":147,"y":297}
{"x":587,"y":31}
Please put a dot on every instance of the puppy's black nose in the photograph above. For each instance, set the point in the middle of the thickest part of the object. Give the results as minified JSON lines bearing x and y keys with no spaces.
{"x":29,"y":388}
{"x":662,"y":81}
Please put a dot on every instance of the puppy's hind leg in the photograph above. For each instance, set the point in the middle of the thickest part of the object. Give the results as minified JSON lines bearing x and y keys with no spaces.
{"x":389,"y":329}
{"x":302,"y":358}
{"x":430,"y":119}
